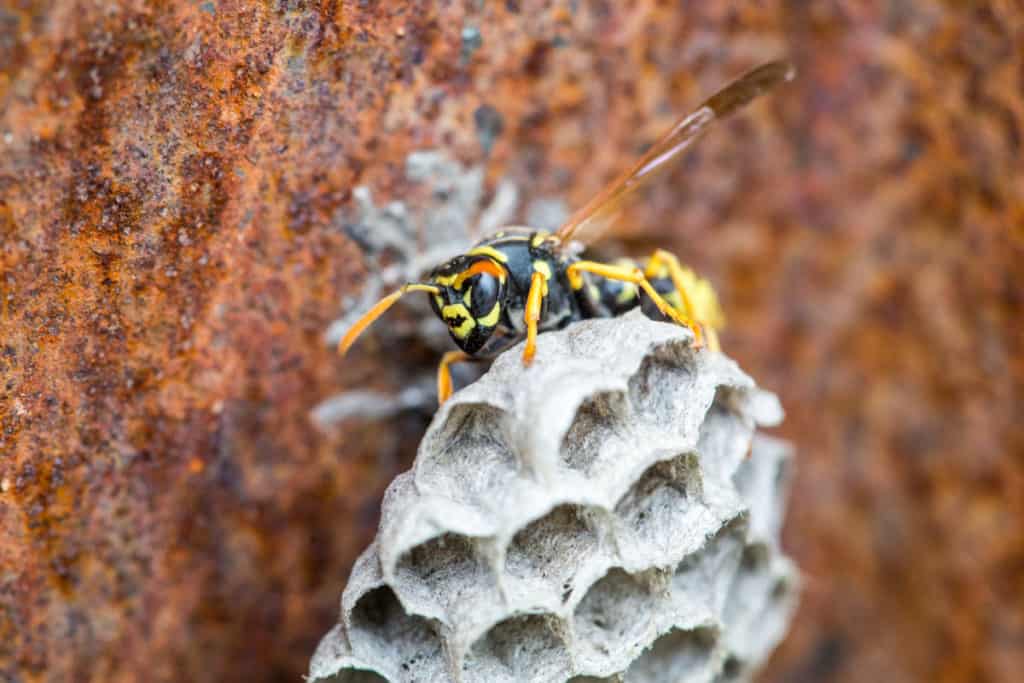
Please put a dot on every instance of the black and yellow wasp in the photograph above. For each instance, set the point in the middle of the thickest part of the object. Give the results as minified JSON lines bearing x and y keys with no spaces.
{"x":519,"y":281}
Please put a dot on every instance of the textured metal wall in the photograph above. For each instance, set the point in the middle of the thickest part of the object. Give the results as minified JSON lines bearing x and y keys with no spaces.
{"x":171,"y":180}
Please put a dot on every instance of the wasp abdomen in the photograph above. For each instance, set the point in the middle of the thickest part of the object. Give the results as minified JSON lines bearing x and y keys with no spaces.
{"x":687,"y":293}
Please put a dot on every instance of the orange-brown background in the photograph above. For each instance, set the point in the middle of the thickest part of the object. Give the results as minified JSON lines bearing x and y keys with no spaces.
{"x":171,"y":175}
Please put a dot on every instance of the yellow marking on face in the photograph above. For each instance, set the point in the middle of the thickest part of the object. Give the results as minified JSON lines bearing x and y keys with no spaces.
{"x":439,"y":301}
{"x":454,"y":311}
{"x":491,"y":319}
{"x":467,"y":298}
{"x":489,"y":251}
{"x":539,"y":239}
{"x":445,"y":280}
{"x":463,"y":330}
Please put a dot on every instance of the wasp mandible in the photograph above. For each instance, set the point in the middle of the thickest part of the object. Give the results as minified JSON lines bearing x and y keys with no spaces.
{"x":519,"y":282}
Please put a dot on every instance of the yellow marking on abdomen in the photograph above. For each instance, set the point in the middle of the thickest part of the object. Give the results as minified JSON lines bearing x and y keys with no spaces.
{"x":627,"y":293}
{"x":676,"y":302}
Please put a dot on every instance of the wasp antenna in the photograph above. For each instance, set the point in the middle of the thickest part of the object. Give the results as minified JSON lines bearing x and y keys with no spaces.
{"x":377,"y":311}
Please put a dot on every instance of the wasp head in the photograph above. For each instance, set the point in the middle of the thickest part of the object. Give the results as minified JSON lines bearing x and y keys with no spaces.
{"x":471,"y":290}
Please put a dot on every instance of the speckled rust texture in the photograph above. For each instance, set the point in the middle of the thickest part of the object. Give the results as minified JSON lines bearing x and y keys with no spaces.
{"x":170,"y":180}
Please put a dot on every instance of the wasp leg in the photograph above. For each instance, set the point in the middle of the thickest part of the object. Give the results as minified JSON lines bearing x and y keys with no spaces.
{"x":698,"y":295}
{"x":712,"y":336}
{"x":534,"y":302}
{"x":637,"y":277}
{"x":662,"y":259}
{"x":444,"y":374}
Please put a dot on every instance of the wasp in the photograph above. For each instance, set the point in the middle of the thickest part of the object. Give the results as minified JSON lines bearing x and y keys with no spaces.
{"x":520,"y":282}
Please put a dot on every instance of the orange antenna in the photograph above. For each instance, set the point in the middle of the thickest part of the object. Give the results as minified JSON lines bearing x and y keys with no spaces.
{"x":377,"y":311}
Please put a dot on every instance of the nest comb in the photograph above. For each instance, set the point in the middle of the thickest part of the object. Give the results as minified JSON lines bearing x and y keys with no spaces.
{"x":607,"y":514}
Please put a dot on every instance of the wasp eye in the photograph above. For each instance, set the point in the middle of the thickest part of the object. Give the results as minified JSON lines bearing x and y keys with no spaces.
{"x":483,"y":295}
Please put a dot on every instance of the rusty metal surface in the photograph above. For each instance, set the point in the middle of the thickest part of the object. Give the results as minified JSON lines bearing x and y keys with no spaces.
{"x":171,"y":178}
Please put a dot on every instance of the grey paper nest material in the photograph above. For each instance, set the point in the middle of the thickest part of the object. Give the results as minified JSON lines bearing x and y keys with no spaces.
{"x":607,"y":513}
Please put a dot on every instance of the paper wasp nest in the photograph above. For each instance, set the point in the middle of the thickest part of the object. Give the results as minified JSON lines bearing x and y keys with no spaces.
{"x":605,"y":514}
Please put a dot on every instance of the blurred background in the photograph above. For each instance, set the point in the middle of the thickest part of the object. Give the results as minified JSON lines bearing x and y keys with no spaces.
{"x":174,"y":186}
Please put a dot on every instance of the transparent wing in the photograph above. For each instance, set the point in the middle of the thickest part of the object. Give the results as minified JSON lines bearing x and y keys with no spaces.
{"x":593,"y":219}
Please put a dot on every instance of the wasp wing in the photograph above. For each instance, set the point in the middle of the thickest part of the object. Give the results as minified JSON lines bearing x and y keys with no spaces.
{"x":593,"y":219}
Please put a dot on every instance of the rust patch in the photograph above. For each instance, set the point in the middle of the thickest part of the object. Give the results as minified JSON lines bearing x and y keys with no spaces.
{"x":169,"y":181}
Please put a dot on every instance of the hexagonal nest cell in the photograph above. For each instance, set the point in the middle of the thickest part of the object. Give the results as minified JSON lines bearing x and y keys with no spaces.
{"x":550,"y":553}
{"x":650,"y":512}
{"x":614,"y":620}
{"x":679,"y":655}
{"x":600,"y":431}
{"x":475,"y":437}
{"x":608,"y":513}
{"x":382,"y":631}
{"x":445,"y":576}
{"x":529,"y":647}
